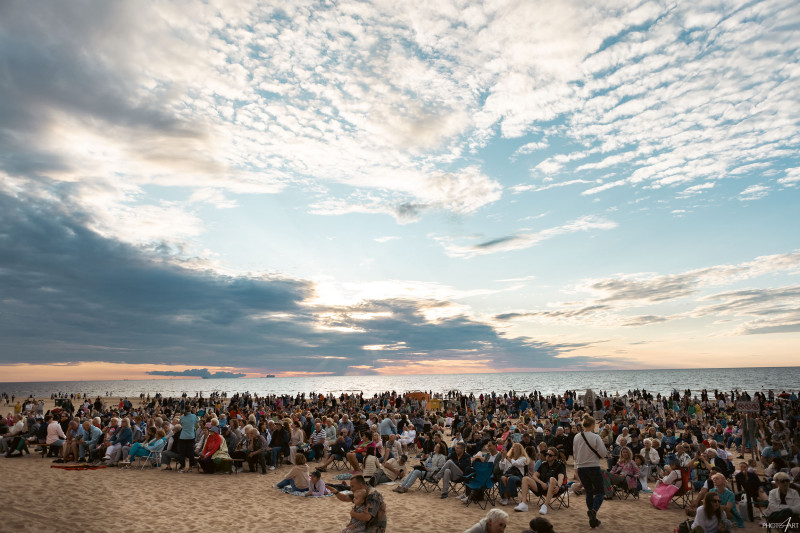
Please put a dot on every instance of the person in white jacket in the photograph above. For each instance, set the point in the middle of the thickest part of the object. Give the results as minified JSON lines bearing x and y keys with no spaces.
{"x":590,"y":453}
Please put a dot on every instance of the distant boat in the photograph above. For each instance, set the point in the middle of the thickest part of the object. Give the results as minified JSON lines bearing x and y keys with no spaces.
{"x":270,"y":376}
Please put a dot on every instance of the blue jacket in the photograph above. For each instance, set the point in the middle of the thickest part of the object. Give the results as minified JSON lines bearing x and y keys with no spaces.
{"x":124,"y":436}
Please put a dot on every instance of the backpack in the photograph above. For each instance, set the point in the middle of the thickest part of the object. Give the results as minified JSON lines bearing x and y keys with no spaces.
{"x":684,"y":527}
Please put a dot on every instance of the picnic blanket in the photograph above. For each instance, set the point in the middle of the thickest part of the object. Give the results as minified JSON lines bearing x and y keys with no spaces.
{"x":78,"y":467}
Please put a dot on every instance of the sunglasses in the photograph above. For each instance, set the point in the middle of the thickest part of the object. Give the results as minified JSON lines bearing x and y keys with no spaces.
{"x":551,"y":455}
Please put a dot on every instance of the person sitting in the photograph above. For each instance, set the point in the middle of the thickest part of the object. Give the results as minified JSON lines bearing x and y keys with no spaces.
{"x":513,"y":464}
{"x":710,"y":518}
{"x":496,"y":521}
{"x":297,"y":477}
{"x":296,"y":438}
{"x":172,"y":450}
{"x":55,"y":435}
{"x":157,"y":442}
{"x":784,"y":501}
{"x":279,"y":443}
{"x":673,"y":475}
{"x":339,"y":450}
{"x":727,"y":499}
{"x":391,"y":448}
{"x":454,"y":468}
{"x":433,"y":465}
{"x":123,"y":437}
{"x":214,"y":452}
{"x":317,"y":441}
{"x":546,"y":481}
{"x":316,"y":487}
{"x":624,"y":474}
{"x":408,"y":436}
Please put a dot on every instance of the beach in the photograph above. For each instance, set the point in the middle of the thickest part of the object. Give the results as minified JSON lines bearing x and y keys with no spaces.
{"x":39,"y":498}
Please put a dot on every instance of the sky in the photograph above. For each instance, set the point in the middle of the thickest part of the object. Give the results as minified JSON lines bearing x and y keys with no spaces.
{"x":306,"y":188}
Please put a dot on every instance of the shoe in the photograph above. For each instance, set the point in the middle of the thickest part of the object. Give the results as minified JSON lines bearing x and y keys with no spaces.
{"x":272,"y":468}
{"x":503,"y":501}
{"x":463,"y":498}
{"x":397,"y":488}
{"x":593,"y":521}
{"x":59,"y":461}
{"x":82,"y":460}
{"x":444,"y":495}
{"x":522,"y":507}
{"x":543,"y":509}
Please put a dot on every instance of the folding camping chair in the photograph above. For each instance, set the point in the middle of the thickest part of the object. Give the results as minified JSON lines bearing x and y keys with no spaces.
{"x":480,"y":483}
{"x":560,"y":498}
{"x":683,"y":497}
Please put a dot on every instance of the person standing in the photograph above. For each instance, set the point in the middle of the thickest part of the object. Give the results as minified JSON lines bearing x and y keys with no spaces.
{"x":189,"y":422}
{"x":590,"y":453}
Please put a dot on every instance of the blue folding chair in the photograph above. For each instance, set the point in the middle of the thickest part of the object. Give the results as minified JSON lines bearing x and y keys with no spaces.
{"x":481,"y":483}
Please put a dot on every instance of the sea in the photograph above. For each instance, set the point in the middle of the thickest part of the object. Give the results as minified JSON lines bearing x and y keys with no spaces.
{"x":664,"y":381}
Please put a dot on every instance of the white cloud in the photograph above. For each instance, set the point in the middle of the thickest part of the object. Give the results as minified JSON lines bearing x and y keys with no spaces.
{"x":754,"y":192}
{"x":523,"y":240}
{"x":792,"y":177}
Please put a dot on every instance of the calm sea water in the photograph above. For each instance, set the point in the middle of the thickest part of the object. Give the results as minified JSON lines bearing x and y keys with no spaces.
{"x":663,"y":381}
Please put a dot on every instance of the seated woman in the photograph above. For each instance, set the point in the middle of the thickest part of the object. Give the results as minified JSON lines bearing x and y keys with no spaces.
{"x":214,"y":451}
{"x":297,"y":477}
{"x":408,"y":436}
{"x":513,"y":464}
{"x":673,"y":476}
{"x":624,"y":474}
{"x":155,"y":442}
{"x":710,"y":518}
{"x":427,"y":470}
{"x":372,"y":471}
{"x":296,"y":438}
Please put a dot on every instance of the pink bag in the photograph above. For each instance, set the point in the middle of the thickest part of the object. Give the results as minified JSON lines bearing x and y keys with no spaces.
{"x":663,"y":495}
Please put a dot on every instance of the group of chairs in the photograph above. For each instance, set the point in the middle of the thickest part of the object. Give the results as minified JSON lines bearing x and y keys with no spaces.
{"x":483,"y":488}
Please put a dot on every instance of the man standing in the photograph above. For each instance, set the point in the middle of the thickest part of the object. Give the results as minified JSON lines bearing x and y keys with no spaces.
{"x":590,"y":452}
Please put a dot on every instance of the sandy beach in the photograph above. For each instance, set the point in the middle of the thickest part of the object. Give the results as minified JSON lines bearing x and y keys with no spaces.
{"x":38,"y":498}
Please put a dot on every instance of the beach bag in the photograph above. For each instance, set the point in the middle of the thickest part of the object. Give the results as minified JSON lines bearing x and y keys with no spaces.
{"x":662,"y":495}
{"x":684,"y":527}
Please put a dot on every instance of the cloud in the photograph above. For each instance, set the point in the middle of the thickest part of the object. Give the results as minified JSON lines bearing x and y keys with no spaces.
{"x":196,"y":372}
{"x":754,"y":192}
{"x":776,"y":310}
{"x":525,"y":240}
{"x":72,"y":294}
{"x":653,"y":288}
{"x":792,"y":177}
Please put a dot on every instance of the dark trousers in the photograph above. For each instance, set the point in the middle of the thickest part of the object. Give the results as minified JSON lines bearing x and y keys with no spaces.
{"x":592,"y":480}
{"x":186,"y":447}
{"x":257,"y":459}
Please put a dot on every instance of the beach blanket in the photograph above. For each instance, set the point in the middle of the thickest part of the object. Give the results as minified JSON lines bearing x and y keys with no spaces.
{"x":344,"y":476}
{"x":78,"y":467}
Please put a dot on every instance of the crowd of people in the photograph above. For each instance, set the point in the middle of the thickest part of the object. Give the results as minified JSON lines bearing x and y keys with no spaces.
{"x":620,"y":445}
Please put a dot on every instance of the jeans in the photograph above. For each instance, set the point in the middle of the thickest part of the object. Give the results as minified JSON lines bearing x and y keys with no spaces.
{"x":412,"y":478}
{"x":511,"y":488}
{"x":592,"y":480}
{"x":291,"y":483}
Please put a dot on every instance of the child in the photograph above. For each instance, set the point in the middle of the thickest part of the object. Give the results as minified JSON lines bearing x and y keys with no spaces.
{"x":359,"y":506}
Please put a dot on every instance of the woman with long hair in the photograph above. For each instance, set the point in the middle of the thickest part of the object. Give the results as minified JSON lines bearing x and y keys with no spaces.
{"x":513,"y":464}
{"x":709,"y":517}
